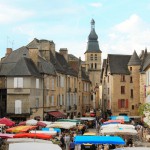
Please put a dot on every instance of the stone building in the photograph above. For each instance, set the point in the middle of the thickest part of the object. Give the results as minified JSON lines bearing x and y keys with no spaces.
{"x":37,"y":81}
{"x":120,"y":81}
{"x":92,"y":65}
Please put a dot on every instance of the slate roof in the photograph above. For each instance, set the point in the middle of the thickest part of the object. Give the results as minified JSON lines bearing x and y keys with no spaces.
{"x":24,"y":67}
{"x":118,"y":64}
{"x":75,"y":66}
{"x":146,"y":62}
{"x":11,"y":62}
{"x":134,"y":60}
{"x":46,"y":67}
{"x":64,"y":64}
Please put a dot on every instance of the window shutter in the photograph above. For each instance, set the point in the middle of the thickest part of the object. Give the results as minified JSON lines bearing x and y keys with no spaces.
{"x":60,"y":99}
{"x":15,"y":83}
{"x":52,"y":100}
{"x":20,"y":82}
{"x":62,"y":81}
{"x":52,"y":84}
{"x":119,"y":103}
{"x":37,"y":83}
{"x":47,"y":100}
{"x":126,"y":103}
{"x":18,"y":107}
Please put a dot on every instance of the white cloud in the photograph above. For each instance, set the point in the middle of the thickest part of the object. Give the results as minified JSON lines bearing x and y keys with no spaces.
{"x":12,"y":14}
{"x":127,"y":36}
{"x":98,"y":4}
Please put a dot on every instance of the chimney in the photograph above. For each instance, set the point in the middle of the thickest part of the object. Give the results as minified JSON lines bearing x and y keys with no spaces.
{"x":64,"y":52}
{"x":8,"y":51}
{"x":33,"y":53}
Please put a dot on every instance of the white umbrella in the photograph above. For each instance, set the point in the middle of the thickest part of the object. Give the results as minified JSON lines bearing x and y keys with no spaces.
{"x":124,"y":126}
{"x":45,"y":132}
{"x":118,"y":131}
{"x":33,"y":146}
{"x":25,"y":140}
{"x":31,"y":122}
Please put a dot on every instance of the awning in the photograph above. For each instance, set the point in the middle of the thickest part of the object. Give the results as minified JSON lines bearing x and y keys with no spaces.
{"x":125,"y":118}
{"x":98,"y":140}
{"x":57,"y":114}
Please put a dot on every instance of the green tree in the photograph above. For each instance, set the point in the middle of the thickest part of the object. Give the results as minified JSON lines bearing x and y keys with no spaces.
{"x":144,"y":108}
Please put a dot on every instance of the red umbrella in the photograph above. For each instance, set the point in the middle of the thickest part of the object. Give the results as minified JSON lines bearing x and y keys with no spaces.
{"x":42,"y":124}
{"x":7,"y":122}
{"x":22,"y":123}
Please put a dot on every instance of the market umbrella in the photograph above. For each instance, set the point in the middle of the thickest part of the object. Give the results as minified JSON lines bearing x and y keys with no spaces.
{"x":118,"y":131}
{"x":41,"y":124}
{"x":33,"y":146}
{"x":31,"y":122}
{"x":18,"y":129}
{"x":7,"y":122}
{"x":22,"y":123}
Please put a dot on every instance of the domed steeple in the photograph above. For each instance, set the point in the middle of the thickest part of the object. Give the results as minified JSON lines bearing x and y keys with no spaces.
{"x":93,"y":35}
{"x":92,"y":45}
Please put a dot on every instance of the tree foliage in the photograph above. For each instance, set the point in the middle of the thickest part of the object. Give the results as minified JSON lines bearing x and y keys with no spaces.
{"x":144,"y":108}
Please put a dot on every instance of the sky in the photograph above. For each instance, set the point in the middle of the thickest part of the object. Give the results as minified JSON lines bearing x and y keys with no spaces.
{"x":122,"y":26}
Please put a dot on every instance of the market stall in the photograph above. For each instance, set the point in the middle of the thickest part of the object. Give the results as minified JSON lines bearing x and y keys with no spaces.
{"x":19,"y":129}
{"x":33,"y":146}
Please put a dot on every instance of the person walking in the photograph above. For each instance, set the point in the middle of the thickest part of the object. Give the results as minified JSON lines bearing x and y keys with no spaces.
{"x":62,"y":142}
{"x":72,"y":145}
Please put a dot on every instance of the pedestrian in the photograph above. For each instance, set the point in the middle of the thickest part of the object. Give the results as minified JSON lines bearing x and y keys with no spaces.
{"x":67,"y":141}
{"x":72,"y":145}
{"x":98,"y":128}
{"x":62,"y":142}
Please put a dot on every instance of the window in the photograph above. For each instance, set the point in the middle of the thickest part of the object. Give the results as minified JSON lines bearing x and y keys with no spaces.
{"x":95,"y":56}
{"x":63,"y":102}
{"x":132,"y":107}
{"x":37,"y":102}
{"x":52,"y":84}
{"x":18,"y":107}
{"x":122,"y":78}
{"x":95,"y":65}
{"x":47,"y":83}
{"x":131,"y":80}
{"x":108,"y":79}
{"x":122,"y":89}
{"x":47,"y":100}
{"x":108,"y":91}
{"x":91,"y":57}
{"x":52,"y":100}
{"x":92,"y":66}
{"x":84,"y":86}
{"x":130,"y":68}
{"x":37,"y":83}
{"x":60,"y":98}
{"x":131,"y":93}
{"x":122,"y":103}
{"x":18,"y":82}
{"x":62,"y":81}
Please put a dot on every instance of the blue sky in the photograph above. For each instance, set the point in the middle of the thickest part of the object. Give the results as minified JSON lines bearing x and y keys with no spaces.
{"x":121,"y":25}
